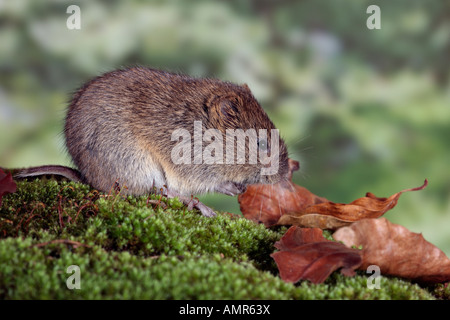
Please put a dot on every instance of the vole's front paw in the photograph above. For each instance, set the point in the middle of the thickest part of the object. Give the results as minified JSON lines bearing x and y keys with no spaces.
{"x":193,"y":203}
{"x":204,"y":209}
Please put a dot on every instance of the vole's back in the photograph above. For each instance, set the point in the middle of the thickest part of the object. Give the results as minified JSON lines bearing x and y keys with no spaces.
{"x":106,"y":125}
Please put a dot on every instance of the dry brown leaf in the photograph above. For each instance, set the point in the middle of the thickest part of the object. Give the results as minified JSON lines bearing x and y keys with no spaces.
{"x":396,"y":250}
{"x":296,"y":236}
{"x":306,"y":255}
{"x":313,"y":220}
{"x":286,"y":203}
{"x":369,"y":206}
{"x":330,"y":215}
{"x":265,"y":204}
{"x":7,"y":184}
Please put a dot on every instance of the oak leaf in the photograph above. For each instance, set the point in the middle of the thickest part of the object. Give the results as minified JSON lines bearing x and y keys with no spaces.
{"x":396,"y":250}
{"x":306,"y":255}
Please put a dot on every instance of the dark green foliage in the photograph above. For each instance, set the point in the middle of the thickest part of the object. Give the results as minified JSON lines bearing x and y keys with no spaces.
{"x":129,"y":248}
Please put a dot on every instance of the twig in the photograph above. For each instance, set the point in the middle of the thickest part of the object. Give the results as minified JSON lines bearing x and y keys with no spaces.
{"x":75,"y":244}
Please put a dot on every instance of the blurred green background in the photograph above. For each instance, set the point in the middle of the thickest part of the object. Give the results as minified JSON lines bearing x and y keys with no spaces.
{"x":362,"y":110}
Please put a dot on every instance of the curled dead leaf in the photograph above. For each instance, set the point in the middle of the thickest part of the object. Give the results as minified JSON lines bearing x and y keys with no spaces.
{"x":313,"y":220}
{"x":306,"y":255}
{"x":369,"y":206}
{"x":286,"y":203}
{"x":396,"y":250}
{"x":330,"y":215}
{"x":296,"y":236}
{"x":263,"y":203}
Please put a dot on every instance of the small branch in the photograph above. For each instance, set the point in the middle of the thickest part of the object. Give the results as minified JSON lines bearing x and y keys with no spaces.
{"x":75,"y":244}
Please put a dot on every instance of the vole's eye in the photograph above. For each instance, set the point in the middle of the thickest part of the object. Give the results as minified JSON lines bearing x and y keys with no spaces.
{"x":262,"y":144}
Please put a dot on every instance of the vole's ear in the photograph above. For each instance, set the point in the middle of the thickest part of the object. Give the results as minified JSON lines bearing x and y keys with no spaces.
{"x":246,"y":86}
{"x":228,"y":107}
{"x":224,"y":111}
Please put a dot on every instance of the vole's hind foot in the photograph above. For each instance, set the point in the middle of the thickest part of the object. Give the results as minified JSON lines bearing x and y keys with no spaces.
{"x":192,"y":203}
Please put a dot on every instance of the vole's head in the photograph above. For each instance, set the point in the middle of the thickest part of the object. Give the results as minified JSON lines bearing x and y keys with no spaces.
{"x":253,"y":150}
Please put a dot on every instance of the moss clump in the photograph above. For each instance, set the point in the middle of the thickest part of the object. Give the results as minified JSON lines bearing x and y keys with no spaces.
{"x":121,"y":275}
{"x":441,"y":291}
{"x":134,"y":248}
{"x":69,"y":210}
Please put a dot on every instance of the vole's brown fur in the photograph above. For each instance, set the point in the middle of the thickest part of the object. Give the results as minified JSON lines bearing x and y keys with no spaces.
{"x":119,"y":126}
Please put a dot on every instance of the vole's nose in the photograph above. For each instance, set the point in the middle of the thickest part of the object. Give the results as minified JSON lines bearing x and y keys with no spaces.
{"x":294,"y":165}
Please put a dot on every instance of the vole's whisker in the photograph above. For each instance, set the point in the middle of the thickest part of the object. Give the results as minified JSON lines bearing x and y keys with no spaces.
{"x":253,"y":198}
{"x":260,"y":207}
{"x":306,"y":149}
{"x":301,"y":139}
{"x":296,"y":196}
{"x":279,"y":202}
{"x":291,"y":186}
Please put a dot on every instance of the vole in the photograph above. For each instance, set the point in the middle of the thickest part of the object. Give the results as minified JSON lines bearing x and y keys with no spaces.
{"x":123,"y":127}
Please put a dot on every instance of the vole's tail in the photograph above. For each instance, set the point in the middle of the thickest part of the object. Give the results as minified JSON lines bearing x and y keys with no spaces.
{"x":69,"y":173}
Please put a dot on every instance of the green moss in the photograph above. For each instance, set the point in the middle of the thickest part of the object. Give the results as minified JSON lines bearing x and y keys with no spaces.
{"x":130,"y":248}
{"x":338,"y":286}
{"x":441,"y":291}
